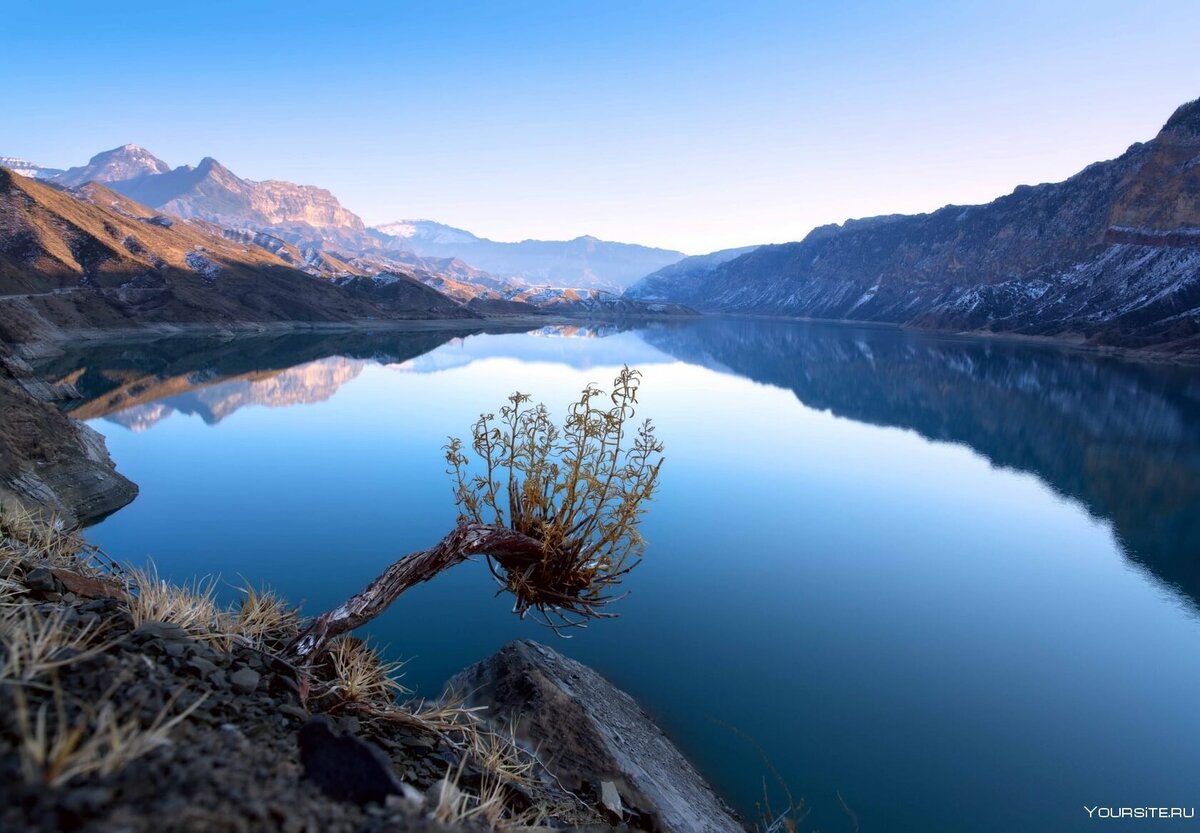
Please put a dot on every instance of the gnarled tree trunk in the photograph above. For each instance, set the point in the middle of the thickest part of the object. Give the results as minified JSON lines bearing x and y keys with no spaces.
{"x":510,"y":549}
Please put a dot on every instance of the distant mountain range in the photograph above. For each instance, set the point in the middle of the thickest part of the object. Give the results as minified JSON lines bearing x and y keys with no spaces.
{"x":311,"y":217}
{"x":585,"y":262}
{"x":1111,"y":256}
{"x":87,"y":258}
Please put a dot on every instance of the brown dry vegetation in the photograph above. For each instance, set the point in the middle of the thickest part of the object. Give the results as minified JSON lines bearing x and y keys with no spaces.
{"x":89,"y":259}
{"x":66,"y":739}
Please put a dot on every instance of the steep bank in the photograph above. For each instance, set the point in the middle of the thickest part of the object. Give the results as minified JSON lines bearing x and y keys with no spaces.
{"x":47,"y":458}
{"x":127,"y":700}
{"x":1110,"y":256}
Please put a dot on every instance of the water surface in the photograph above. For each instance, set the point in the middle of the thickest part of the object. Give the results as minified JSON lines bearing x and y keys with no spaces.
{"x":954,"y":581}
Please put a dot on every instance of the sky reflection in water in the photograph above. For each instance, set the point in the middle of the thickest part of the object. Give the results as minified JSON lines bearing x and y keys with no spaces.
{"x":955,"y":580}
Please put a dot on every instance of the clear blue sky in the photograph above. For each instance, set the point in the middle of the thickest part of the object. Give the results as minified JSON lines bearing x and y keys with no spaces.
{"x":691,"y":125}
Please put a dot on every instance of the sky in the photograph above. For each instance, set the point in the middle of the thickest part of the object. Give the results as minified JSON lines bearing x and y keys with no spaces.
{"x":695,"y":126}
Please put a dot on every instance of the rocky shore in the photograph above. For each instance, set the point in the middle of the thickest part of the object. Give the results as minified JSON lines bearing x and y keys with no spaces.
{"x":126,"y":701}
{"x":48,"y":459}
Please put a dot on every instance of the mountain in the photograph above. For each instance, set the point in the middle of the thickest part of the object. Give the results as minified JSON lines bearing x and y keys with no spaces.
{"x":312,"y":218}
{"x":585,"y":262}
{"x":210,"y":191}
{"x":1110,"y":256}
{"x":93,"y":259}
{"x":686,"y":275}
{"x":30,"y":169}
{"x":116,"y":165}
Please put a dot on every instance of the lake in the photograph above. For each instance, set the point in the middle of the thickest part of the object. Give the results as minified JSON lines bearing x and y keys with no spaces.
{"x":954,"y":582}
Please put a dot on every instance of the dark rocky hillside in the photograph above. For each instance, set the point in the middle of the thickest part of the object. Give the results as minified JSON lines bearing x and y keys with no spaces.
{"x":92,"y":260}
{"x":1110,"y":256}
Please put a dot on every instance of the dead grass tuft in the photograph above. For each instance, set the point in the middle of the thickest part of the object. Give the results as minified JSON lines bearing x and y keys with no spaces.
{"x":54,"y":748}
{"x":263,"y":619}
{"x":192,"y":606}
{"x":36,"y":643}
{"x":361,"y":678}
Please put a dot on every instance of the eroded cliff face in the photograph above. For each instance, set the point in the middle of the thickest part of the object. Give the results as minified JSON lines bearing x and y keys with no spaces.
{"x":210,"y":191}
{"x":1110,"y":256}
{"x":48,"y":460}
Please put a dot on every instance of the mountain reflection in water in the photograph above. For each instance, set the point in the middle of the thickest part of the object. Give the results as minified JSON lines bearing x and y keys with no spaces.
{"x":953,"y":580}
{"x":1120,"y":437}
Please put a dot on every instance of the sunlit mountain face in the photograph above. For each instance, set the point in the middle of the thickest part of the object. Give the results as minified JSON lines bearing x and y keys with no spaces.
{"x":875,"y":551}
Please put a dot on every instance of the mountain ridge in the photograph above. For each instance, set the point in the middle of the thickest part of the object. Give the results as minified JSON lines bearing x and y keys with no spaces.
{"x":1107,"y":256}
{"x":309,"y":216}
{"x":585,"y":262}
{"x":92,"y":259}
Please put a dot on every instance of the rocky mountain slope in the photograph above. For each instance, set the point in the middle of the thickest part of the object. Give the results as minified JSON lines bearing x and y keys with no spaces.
{"x":48,"y":459}
{"x":1110,"y":256}
{"x":96,"y":260}
{"x":312,"y":219}
{"x":585,"y":262}
{"x":121,"y":164}
{"x":684,"y":276}
{"x":210,"y":191}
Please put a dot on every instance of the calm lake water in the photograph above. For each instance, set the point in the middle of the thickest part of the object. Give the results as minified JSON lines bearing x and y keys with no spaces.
{"x":954,"y":581}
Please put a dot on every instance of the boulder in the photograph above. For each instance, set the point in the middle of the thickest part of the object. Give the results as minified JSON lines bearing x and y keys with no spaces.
{"x":594,"y":739}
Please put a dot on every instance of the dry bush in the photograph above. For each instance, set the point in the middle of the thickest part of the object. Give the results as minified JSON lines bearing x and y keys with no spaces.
{"x":580,"y":490}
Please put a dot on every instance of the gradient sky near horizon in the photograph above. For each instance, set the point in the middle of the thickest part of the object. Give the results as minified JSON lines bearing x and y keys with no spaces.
{"x":694,"y":125}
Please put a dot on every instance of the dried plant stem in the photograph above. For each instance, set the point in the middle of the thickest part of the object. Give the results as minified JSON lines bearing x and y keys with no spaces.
{"x":510,"y":549}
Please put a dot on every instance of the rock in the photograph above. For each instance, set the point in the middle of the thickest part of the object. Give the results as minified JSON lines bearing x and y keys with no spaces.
{"x":294,"y":712}
{"x":245,"y":680}
{"x":88,"y":587}
{"x":443,"y":791}
{"x":49,"y":460}
{"x":200,"y":667}
{"x":345,"y":767}
{"x":597,"y":734}
{"x":611,"y":799}
{"x":149,"y":631}
{"x":41,"y":580}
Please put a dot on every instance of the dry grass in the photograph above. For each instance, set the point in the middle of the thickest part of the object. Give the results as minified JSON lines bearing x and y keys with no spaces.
{"x":192,"y":606}
{"x":30,"y":538}
{"x":263,"y":619}
{"x":36,"y":644}
{"x":58,"y":742}
{"x":360,"y":677}
{"x":55,"y":748}
{"x":456,"y":805}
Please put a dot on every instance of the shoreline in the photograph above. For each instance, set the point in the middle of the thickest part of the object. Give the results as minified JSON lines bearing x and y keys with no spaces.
{"x":48,"y":344}
{"x":160,"y":702}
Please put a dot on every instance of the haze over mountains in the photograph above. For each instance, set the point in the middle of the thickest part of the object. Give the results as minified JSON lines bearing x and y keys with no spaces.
{"x":584,"y":262}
